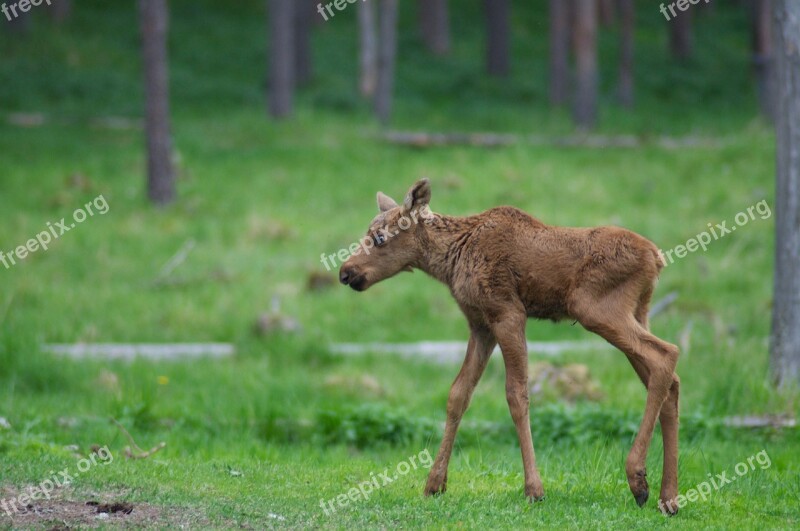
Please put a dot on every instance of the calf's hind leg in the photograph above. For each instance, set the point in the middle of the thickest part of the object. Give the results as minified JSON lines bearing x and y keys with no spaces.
{"x":668,"y":419}
{"x":653,"y":359}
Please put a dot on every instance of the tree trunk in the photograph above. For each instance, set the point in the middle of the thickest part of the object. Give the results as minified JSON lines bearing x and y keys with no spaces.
{"x":498,"y":37}
{"x":368,"y":49}
{"x":706,"y":8}
{"x":680,"y":35}
{"x":435,"y":25}
{"x":21,"y":23}
{"x":60,"y":10}
{"x":160,"y":171}
{"x":303,"y":21}
{"x":607,"y":12}
{"x":281,"y":57}
{"x":387,"y":55}
{"x":559,"y":51}
{"x":762,"y":57}
{"x":586,"y":78}
{"x":627,"y":12}
{"x":785,"y":344}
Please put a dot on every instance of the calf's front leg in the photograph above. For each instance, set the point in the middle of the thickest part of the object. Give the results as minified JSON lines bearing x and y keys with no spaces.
{"x":510,"y":333}
{"x":479,"y":349}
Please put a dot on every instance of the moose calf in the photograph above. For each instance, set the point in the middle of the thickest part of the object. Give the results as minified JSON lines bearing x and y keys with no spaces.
{"x":504,"y":266}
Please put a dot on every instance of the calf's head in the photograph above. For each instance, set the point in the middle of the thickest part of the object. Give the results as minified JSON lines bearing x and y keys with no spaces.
{"x":393,"y":242}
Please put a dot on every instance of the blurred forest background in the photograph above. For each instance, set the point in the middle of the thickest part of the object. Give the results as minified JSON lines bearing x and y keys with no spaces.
{"x":236,"y":142}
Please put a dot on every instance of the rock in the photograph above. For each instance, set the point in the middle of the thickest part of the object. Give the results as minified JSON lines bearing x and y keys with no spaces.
{"x":108,"y":381}
{"x":275,"y":321}
{"x":270,"y":323}
{"x":318,"y":281}
{"x":358,"y":383}
{"x":571,"y":382}
{"x":67,"y":422}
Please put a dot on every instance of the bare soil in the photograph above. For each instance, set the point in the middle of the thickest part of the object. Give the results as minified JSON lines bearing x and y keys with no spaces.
{"x":69,"y":509}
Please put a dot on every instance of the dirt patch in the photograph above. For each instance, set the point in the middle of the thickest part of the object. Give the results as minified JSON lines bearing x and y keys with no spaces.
{"x":116,"y":507}
{"x":68,"y":509}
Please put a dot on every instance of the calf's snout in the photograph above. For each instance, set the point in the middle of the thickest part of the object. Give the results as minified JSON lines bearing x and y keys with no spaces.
{"x":353,"y":277}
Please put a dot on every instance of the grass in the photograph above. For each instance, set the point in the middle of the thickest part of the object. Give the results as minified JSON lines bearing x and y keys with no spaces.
{"x":285,"y":424}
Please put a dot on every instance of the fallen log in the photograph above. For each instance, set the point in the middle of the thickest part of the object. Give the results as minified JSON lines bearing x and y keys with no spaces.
{"x":429,"y":139}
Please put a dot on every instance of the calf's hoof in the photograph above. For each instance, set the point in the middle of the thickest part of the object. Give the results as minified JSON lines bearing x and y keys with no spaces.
{"x":641,"y":498}
{"x":435,"y":491}
{"x":668,"y":506}
{"x":435,"y":485}
{"x":639,"y":488}
{"x":534,"y":493}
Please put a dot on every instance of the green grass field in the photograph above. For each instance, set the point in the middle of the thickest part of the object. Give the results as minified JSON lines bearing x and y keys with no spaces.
{"x":261,"y":439}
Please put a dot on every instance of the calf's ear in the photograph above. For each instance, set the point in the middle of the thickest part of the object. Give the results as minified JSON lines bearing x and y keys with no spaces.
{"x":385,"y":202}
{"x":418,"y":195}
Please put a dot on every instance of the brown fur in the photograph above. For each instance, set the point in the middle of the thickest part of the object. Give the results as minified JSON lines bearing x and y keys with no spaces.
{"x":503,"y":267}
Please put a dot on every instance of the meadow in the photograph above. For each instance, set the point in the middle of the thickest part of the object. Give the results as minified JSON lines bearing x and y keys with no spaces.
{"x":262,"y":439}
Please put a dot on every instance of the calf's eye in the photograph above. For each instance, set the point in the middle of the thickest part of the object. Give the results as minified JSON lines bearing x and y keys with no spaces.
{"x":378,"y":239}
